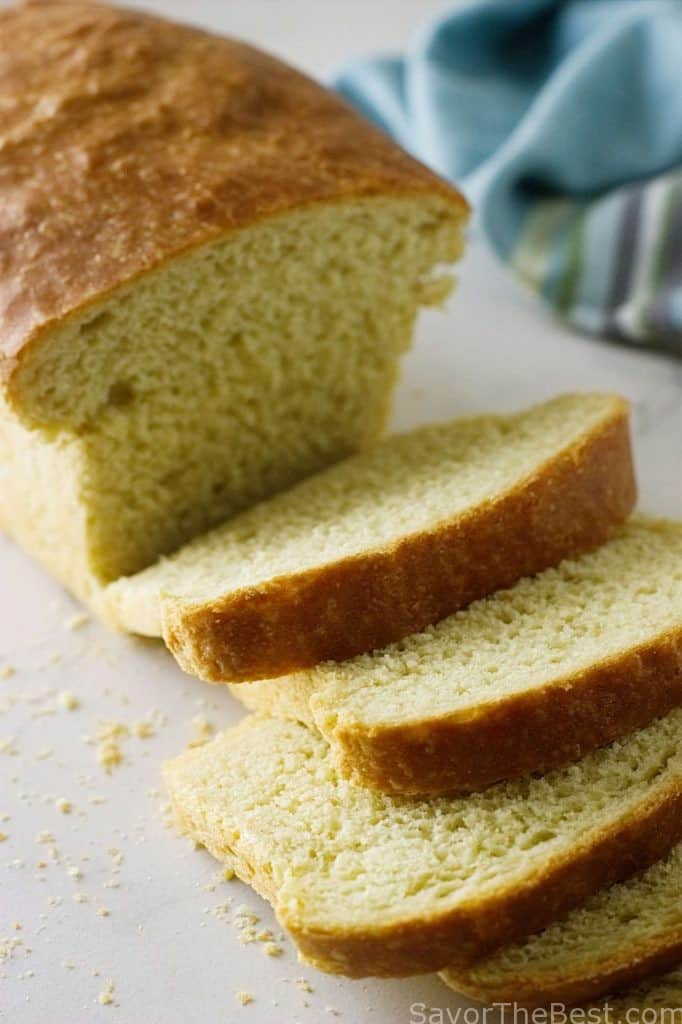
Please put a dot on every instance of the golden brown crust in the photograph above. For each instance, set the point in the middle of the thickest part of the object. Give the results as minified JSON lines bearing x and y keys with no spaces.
{"x":650,"y":958}
{"x":459,"y":937}
{"x":532,"y":731}
{"x":128,"y":140}
{"x":571,"y":505}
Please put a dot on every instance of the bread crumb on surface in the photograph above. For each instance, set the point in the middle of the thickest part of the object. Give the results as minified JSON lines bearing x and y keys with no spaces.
{"x":302,"y":985}
{"x":7,"y":671}
{"x":201,"y":731}
{"x":103,"y":912}
{"x":244,"y":998}
{"x":63,"y":806}
{"x":44,"y":837}
{"x":78,"y":621}
{"x":109,"y":755}
{"x":143,"y":730}
{"x":3,"y":837}
{"x":106,"y":996}
{"x":69,"y":701}
{"x":272,"y":949}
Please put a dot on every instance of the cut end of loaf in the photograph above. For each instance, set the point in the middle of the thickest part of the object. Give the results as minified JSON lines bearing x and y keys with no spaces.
{"x":257,"y":360}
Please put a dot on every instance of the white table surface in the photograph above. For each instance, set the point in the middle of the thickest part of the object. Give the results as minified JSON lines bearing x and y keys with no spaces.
{"x":171,"y":957}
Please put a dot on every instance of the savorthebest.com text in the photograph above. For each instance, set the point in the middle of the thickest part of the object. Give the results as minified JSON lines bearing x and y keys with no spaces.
{"x":557,"y":1013}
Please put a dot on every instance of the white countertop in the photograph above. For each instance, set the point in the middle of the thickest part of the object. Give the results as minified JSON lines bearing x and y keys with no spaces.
{"x":171,"y":956}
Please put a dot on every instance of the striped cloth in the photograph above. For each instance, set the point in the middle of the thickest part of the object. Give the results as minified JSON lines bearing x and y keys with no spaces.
{"x":562,"y":120}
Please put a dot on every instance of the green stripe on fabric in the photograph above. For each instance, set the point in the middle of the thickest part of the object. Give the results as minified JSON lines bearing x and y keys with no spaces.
{"x":567,"y":291}
{"x":531,"y":256}
{"x":660,"y":260}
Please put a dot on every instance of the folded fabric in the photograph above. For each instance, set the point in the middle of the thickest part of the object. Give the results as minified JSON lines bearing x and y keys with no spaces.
{"x":563,"y":121}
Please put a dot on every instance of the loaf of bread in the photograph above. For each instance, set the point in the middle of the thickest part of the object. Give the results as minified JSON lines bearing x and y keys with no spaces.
{"x":525,"y":680}
{"x":210,"y":269}
{"x":627,"y":933}
{"x":389,"y":541}
{"x":370,"y":884}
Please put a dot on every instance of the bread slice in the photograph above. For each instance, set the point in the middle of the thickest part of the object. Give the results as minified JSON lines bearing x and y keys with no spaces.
{"x":662,"y":999}
{"x":525,"y":680}
{"x":370,"y":884}
{"x":389,"y":541}
{"x":209,"y":277}
{"x":627,"y":933}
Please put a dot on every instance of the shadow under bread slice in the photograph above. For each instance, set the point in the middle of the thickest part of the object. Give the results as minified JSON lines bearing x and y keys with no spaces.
{"x":371,"y":884}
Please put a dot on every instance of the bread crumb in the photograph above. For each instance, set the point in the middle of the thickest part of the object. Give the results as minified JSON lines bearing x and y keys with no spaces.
{"x":69,"y":701}
{"x":109,"y":755}
{"x":303,"y":986}
{"x":63,"y":806}
{"x":106,"y":996}
{"x":143,"y":730}
{"x":68,"y":965}
{"x":3,"y":837}
{"x":110,"y":729}
{"x":77,"y":621}
{"x":103,"y":912}
{"x":44,"y":837}
{"x":7,"y":671}
{"x":244,"y":998}
{"x":272,"y":949}
{"x":201,"y":731}
{"x":228,"y":874}
{"x":80,"y":897}
{"x":75,"y":872}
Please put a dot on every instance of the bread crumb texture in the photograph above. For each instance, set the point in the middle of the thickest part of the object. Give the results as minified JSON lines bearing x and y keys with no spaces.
{"x":618,"y":927}
{"x":338,"y":860}
{"x":543,"y":631}
{"x":409,"y":484}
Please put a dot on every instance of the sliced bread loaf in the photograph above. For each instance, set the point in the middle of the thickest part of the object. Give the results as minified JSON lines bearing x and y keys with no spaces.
{"x":211,"y":267}
{"x":370,"y":884}
{"x":625,"y":933}
{"x":662,"y":999}
{"x":522,"y":681}
{"x":389,"y":541}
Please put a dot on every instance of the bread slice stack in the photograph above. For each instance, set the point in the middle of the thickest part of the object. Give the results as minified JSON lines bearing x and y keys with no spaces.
{"x":496,"y":793}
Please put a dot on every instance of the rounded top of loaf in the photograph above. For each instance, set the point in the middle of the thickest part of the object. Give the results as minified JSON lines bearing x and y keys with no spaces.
{"x":127,"y":140}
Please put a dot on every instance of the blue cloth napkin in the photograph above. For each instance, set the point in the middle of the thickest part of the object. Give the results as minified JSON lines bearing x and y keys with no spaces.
{"x":562,"y":120}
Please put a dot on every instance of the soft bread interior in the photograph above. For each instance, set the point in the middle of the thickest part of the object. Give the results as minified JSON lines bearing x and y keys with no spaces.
{"x":544,"y":630}
{"x":227,"y":375}
{"x":337,"y":859}
{"x":410,"y":483}
{"x":618,"y":925}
